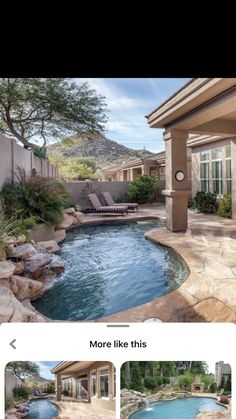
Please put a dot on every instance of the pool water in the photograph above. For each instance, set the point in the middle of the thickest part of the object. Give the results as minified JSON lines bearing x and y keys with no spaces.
{"x":179,"y":409}
{"x":110,"y":268}
{"x":42,"y":409}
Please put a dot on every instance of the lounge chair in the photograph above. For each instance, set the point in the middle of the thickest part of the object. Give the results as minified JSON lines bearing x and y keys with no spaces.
{"x":100,"y":209}
{"x":110,"y":201}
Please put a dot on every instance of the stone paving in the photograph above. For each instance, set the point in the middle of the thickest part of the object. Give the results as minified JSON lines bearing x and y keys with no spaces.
{"x":79,"y":410}
{"x":209,"y":293}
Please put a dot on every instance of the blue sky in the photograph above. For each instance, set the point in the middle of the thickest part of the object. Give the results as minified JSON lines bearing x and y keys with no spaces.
{"x":129,"y":100}
{"x":45,"y":367}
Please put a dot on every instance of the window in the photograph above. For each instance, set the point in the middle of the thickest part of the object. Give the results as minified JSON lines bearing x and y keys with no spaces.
{"x":228,"y":169}
{"x":204,"y":171}
{"x":217,"y":176}
{"x":93,"y":383}
{"x":103,"y":382}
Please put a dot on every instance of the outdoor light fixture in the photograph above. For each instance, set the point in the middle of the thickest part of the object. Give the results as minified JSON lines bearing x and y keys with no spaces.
{"x":179,"y":176}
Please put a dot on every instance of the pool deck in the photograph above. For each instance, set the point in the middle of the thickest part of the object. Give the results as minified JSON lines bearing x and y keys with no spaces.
{"x":79,"y":410}
{"x":209,"y":249}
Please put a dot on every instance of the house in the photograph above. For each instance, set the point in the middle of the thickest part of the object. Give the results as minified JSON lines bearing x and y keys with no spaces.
{"x":222,"y":371}
{"x":87,"y":382}
{"x":200,"y":116}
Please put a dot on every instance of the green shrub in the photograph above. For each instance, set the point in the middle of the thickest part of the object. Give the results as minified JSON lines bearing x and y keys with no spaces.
{"x":37,"y":196}
{"x":206,"y":202}
{"x":213,"y":388}
{"x":21,"y":392}
{"x":50,"y":389}
{"x":40,"y":152}
{"x":225,"y":206}
{"x":150,"y":383}
{"x":186,"y":380}
{"x":142,"y":189}
{"x":65,"y":393}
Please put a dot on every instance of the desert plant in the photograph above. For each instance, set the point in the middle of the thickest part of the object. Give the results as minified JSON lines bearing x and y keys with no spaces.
{"x":150,"y":383}
{"x":142,"y":189}
{"x":206,"y":202}
{"x":37,"y":196}
{"x":9,"y":402}
{"x":224,"y":399}
{"x":21,"y":392}
{"x":9,"y":227}
{"x":225,"y":206}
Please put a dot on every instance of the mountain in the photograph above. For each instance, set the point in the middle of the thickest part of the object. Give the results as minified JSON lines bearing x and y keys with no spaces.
{"x":105,"y":152}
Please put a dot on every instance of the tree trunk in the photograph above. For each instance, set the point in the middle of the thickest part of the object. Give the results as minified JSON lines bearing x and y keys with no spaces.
{"x":127,"y":372}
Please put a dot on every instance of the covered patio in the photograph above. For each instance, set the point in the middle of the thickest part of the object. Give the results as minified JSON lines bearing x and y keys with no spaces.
{"x":204,"y":106}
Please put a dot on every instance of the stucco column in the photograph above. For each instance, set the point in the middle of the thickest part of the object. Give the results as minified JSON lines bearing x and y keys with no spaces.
{"x":176,"y":192}
{"x":131,"y":175}
{"x":58,"y":387}
{"x":233,"y":174}
{"x":110,"y":386}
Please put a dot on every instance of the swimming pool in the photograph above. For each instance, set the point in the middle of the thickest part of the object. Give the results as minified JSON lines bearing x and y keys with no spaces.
{"x":42,"y":409}
{"x":110,"y":268}
{"x":186,"y":408}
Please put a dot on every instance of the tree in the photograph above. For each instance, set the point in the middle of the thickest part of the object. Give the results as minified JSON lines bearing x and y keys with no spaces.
{"x":24,"y":369}
{"x":186,"y":380}
{"x":136,"y":377}
{"x":207,"y":380}
{"x":77,"y":168}
{"x":49,"y":108}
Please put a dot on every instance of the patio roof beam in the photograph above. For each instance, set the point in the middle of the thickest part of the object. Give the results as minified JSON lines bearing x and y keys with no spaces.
{"x":216,"y":108}
{"x":217,"y":127}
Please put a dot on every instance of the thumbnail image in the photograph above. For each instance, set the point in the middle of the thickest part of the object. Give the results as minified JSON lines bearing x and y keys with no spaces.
{"x":61,"y":390}
{"x":175,"y":390}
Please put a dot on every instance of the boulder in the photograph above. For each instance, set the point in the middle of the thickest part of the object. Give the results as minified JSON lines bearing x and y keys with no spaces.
{"x":11,"y":310}
{"x":69,"y":211}
{"x":6,"y":269}
{"x":9,"y":240}
{"x":68,"y":220}
{"x":27,"y":288}
{"x":23,"y":251}
{"x":78,"y":207}
{"x":56,"y":265}
{"x":13,"y":285}
{"x":79,"y":216}
{"x":19,"y":268}
{"x":21,"y":239}
{"x":49,"y":246}
{"x":34,"y":267}
{"x":2,"y":254}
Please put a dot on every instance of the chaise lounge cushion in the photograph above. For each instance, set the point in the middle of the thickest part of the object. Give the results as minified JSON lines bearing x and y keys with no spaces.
{"x":96,"y":204}
{"x":110,"y":201}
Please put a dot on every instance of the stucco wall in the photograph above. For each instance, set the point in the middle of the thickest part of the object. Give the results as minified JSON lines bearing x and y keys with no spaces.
{"x":13,"y":155}
{"x":11,"y":381}
{"x":80,"y":190}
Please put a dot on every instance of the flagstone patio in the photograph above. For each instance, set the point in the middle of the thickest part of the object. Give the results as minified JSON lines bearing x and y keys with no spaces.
{"x":209,"y":293}
{"x":79,"y":410}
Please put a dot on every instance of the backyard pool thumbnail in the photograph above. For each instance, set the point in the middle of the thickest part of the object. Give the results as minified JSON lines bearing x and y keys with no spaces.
{"x":175,"y":390}
{"x":49,"y":389}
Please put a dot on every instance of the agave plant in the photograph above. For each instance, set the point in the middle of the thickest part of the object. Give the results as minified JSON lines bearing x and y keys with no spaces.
{"x":8,"y":227}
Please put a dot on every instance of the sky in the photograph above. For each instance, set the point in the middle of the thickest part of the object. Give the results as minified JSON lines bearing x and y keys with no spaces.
{"x":129,"y":100}
{"x":45,"y":367}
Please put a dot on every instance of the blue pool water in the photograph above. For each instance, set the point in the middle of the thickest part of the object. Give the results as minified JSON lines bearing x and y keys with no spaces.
{"x":42,"y":409}
{"x":179,"y":409}
{"x":110,"y":268}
